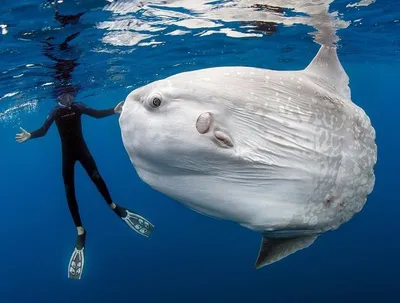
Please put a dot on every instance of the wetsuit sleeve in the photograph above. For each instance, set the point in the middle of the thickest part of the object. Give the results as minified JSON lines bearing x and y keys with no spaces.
{"x":96,"y":113}
{"x":45,"y":127}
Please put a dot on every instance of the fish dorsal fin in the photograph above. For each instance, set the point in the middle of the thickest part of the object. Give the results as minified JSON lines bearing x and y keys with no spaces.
{"x":326,"y":65}
{"x":275,"y":249}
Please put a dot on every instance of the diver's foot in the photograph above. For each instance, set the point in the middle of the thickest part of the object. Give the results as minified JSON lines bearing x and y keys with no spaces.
{"x":77,"y":260}
{"x":134,"y":221}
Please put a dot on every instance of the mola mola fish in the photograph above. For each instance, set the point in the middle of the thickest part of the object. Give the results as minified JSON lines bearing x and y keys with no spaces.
{"x":283,"y":153}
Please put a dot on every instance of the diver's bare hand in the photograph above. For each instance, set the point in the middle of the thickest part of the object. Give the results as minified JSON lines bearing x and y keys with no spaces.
{"x":118,"y":108}
{"x":22,"y":137}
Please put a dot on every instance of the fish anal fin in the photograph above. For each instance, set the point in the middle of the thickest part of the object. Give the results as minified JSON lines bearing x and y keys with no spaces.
{"x":275,"y":249}
{"x":326,"y":65}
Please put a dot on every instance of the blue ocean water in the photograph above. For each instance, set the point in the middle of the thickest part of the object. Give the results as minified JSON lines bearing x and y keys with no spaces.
{"x":189,"y":257}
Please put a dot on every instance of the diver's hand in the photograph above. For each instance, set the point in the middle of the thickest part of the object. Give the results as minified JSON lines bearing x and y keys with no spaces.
{"x":118,"y":108}
{"x":22,"y":137}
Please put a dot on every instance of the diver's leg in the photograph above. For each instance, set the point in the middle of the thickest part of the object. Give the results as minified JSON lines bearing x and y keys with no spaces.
{"x":77,"y":259}
{"x":69,"y":183}
{"x":134,"y":220}
{"x":90,"y":167}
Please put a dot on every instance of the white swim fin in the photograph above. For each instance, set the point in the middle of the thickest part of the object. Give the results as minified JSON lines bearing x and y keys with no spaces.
{"x":77,"y":260}
{"x":138,"y":223}
{"x":75,"y":267}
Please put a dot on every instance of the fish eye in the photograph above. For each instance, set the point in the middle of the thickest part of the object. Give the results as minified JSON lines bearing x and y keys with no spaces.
{"x":155,"y":101}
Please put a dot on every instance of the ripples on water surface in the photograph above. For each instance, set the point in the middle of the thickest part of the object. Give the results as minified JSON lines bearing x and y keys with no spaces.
{"x":124,"y":44}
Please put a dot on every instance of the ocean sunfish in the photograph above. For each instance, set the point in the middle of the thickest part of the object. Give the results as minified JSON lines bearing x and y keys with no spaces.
{"x":284,"y":153}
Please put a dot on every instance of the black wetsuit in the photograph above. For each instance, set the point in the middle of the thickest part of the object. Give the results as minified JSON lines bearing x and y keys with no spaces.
{"x":74,"y":148}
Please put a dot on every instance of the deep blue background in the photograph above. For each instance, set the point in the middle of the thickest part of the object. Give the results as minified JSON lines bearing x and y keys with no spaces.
{"x":189,"y":257}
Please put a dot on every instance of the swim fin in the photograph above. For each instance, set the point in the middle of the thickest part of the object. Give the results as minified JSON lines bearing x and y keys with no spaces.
{"x":135,"y":221}
{"x":77,"y":260}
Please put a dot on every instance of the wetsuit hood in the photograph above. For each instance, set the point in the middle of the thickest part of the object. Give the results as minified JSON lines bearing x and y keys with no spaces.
{"x":65,"y":100}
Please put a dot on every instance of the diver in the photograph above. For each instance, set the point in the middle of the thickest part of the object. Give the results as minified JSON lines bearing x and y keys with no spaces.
{"x":67,"y":116}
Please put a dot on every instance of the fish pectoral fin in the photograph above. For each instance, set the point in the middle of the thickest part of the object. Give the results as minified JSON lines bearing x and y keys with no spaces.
{"x":223,"y":139}
{"x":275,"y":249}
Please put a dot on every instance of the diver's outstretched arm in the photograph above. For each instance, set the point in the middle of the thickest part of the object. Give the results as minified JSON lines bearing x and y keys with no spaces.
{"x":96,"y":113}
{"x":24,"y":136}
